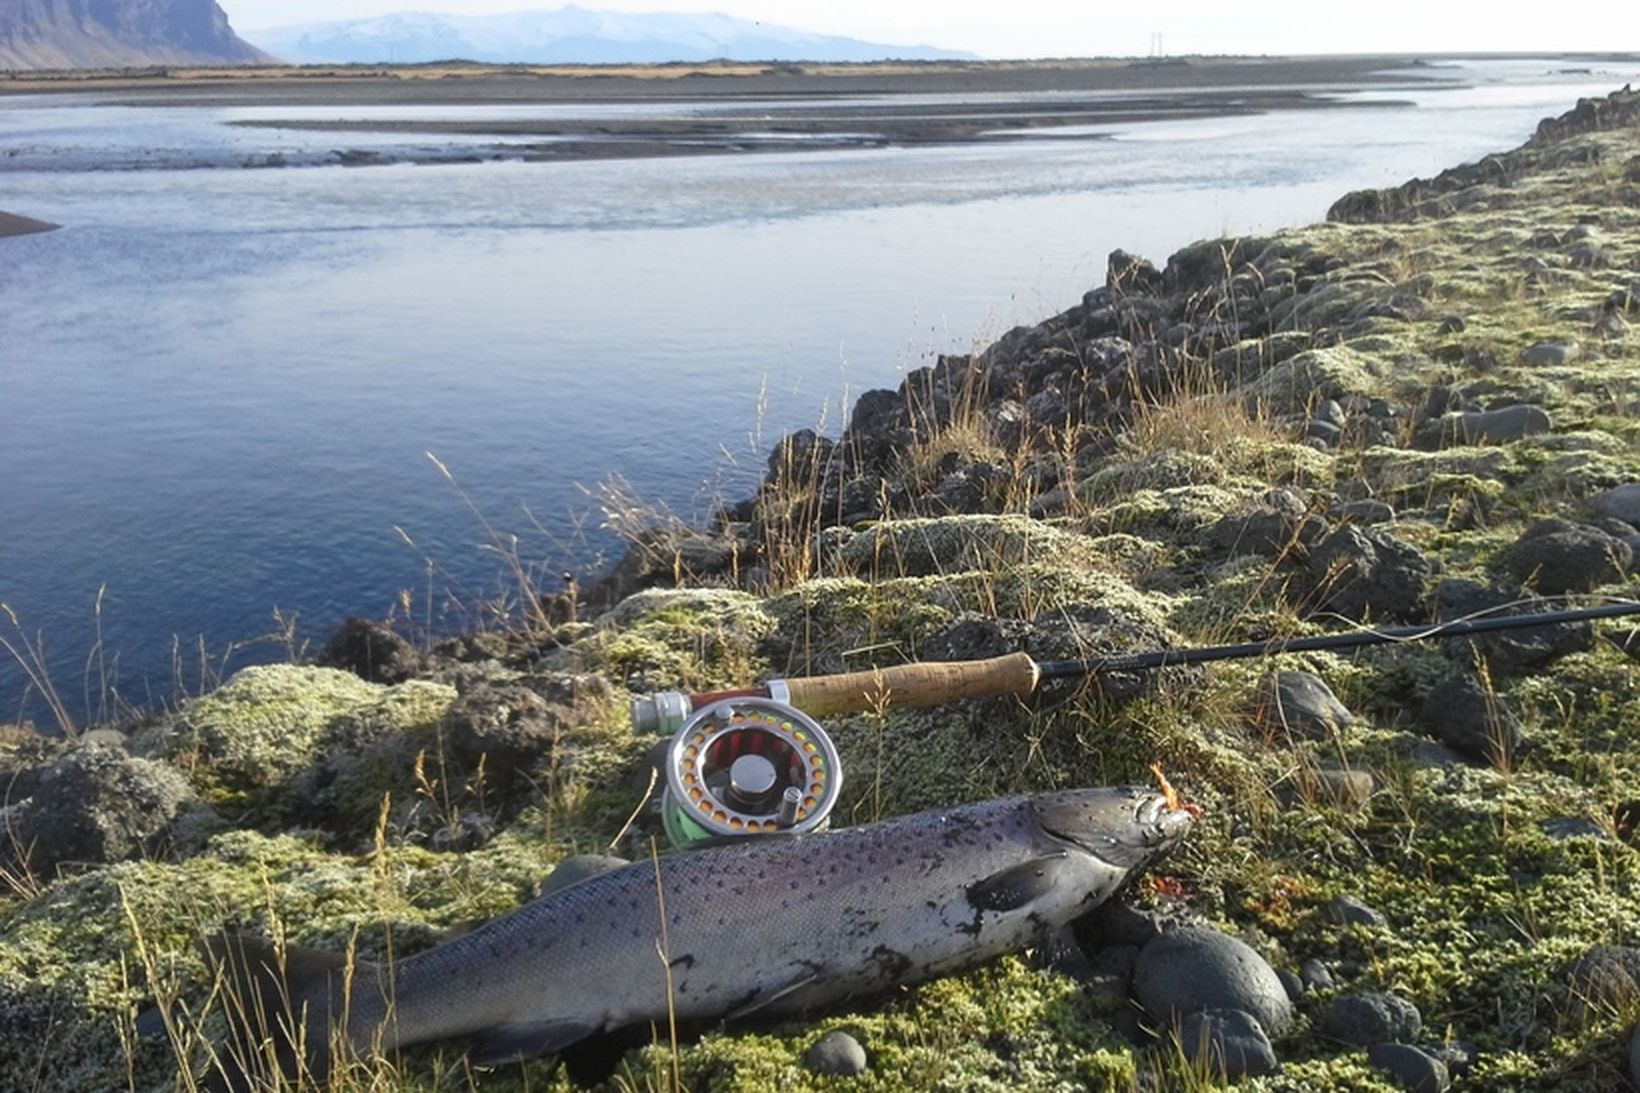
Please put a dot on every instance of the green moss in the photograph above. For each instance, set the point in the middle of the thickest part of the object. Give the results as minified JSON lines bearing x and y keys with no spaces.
{"x":699,"y":639}
{"x":259,"y":728}
{"x":1162,"y":470}
{"x":1293,"y":385}
{"x":955,"y":544}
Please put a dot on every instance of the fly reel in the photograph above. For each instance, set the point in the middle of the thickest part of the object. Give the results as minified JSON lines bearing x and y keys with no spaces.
{"x":745,"y":766}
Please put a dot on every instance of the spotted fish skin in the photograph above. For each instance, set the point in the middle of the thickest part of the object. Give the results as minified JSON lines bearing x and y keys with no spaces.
{"x":771,"y":925}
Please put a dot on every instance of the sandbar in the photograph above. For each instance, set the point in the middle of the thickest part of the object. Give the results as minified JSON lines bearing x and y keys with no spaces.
{"x":11,"y":224}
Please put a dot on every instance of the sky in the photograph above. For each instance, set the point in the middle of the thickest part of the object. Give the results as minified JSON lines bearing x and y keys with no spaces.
{"x":1049,"y":28}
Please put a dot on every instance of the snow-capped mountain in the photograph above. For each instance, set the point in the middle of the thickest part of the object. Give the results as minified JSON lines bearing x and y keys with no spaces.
{"x":573,"y":35}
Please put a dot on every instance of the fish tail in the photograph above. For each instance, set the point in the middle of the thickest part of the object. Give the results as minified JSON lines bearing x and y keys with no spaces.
{"x":290,"y":1010}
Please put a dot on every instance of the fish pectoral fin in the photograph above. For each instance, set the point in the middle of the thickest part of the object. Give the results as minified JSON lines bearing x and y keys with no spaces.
{"x":524,"y":1040}
{"x":763,"y":999}
{"x":1018,"y":885}
{"x":1060,"y":951}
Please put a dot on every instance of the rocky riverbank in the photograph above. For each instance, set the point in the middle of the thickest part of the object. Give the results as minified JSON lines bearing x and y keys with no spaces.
{"x":1418,"y":865}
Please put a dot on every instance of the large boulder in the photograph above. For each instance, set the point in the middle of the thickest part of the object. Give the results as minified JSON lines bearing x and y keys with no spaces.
{"x":1365,"y":573}
{"x":94,"y":804}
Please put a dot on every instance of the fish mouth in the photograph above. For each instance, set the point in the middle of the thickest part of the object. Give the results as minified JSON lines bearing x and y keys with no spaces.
{"x":1158,"y":818}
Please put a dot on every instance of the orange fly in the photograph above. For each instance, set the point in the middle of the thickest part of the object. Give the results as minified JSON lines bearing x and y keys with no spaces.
{"x":1171,"y":795}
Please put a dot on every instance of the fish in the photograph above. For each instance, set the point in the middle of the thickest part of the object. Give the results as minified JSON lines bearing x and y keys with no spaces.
{"x":765,"y":927}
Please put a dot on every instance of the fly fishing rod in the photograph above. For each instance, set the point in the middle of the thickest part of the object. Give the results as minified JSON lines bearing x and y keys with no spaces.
{"x":755,"y":760}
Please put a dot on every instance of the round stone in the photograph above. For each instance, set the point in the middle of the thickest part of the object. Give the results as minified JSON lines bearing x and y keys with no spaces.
{"x":1411,"y":1068}
{"x":1198,"y":968}
{"x":1370,"y":1017}
{"x":1231,"y":1043}
{"x":837,"y":1054}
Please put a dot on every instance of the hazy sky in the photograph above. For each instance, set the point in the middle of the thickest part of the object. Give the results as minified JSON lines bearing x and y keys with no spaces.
{"x":1027,"y":28}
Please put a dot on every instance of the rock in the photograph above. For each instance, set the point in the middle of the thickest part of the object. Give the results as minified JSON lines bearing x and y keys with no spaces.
{"x":1230,"y":1043}
{"x":94,"y":804}
{"x":1472,"y":720}
{"x":371,"y":651}
{"x":1556,"y":556}
{"x":1485,"y":426}
{"x":1126,"y":272}
{"x":1324,"y":431}
{"x":1451,"y":324}
{"x":1315,"y":975}
{"x":1457,"y":1055}
{"x":577,"y":868}
{"x":103,"y":738}
{"x":1619,"y":503}
{"x":1198,"y":968}
{"x":1293,"y":704}
{"x":1349,"y":911}
{"x":1293,"y":985}
{"x":1604,"y":979}
{"x":1552,"y":353}
{"x":1561,"y":828}
{"x":1371,"y":1017}
{"x":506,"y":725}
{"x":467,"y":831}
{"x":1366,"y":511}
{"x":1364,"y":573}
{"x":1412,"y":1068}
{"x":1522,"y":650}
{"x":837,"y":1054}
{"x":1344,"y":789}
{"x":1634,"y":1056}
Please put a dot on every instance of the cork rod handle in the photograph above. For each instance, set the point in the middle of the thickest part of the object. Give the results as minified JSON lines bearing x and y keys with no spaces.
{"x":910,"y":685}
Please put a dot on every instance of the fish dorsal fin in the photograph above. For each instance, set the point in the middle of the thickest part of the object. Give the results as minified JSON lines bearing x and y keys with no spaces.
{"x":524,"y":1040}
{"x":1018,"y":885}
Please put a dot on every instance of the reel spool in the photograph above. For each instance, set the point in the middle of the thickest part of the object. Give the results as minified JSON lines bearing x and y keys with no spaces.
{"x":748,"y":766}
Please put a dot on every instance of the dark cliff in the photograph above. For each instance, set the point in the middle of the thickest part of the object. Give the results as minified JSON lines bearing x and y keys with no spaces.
{"x":41,"y":34}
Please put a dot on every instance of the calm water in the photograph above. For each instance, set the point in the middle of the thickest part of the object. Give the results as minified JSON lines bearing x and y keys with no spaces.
{"x":218,"y":386}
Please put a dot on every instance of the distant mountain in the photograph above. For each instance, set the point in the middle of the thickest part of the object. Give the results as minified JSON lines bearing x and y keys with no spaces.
{"x":571,"y":35}
{"x":37,"y":34}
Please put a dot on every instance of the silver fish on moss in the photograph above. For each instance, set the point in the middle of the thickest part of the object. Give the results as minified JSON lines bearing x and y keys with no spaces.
{"x":766,"y":926}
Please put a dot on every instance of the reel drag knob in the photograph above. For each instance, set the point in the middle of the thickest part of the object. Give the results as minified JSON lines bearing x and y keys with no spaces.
{"x":748,"y":766}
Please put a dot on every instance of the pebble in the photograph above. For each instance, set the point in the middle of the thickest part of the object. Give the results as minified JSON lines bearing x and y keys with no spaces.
{"x":1345,"y":790}
{"x":1365,"y":511}
{"x":837,"y":1054}
{"x":1199,"y":968}
{"x":1349,"y":911}
{"x":577,"y":868}
{"x":1486,"y":426}
{"x":1234,"y":1043}
{"x":1553,"y":353}
{"x":1619,"y":503}
{"x":1371,"y":1017}
{"x":1316,"y":975}
{"x":1572,"y":827}
{"x":1412,"y":1068}
{"x":1458,"y":1055}
{"x":1300,"y":704}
